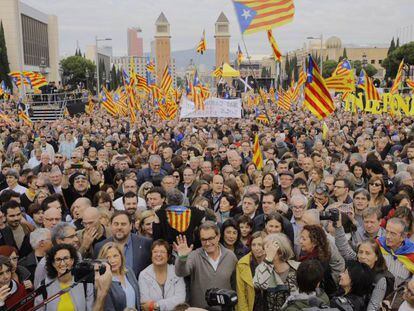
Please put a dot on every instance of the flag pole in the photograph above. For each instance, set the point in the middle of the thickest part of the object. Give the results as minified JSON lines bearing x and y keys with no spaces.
{"x":254,"y":76}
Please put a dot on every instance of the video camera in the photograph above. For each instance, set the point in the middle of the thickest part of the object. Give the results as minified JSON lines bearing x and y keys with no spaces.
{"x":84,"y":271}
{"x":225,"y":298}
{"x":332,"y":214}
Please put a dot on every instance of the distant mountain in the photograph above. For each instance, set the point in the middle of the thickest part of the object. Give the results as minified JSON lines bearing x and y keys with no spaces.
{"x":183,"y":58}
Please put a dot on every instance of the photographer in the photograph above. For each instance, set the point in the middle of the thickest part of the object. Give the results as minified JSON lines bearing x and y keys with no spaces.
{"x":59,"y":263}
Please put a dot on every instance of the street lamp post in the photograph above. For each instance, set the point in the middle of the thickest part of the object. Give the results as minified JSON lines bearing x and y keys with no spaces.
{"x":318,"y":38}
{"x":87,"y":78}
{"x":97,"y":62}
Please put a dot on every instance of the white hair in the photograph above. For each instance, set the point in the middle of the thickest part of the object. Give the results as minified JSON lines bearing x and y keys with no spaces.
{"x":38,"y":236}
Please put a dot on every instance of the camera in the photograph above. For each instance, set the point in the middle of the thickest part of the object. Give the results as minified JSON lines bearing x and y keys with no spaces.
{"x":77,"y":165}
{"x":84,"y":271}
{"x":332,"y":214}
{"x":225,"y":298}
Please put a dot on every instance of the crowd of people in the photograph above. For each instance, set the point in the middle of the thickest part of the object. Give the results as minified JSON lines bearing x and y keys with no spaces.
{"x":164,"y":211}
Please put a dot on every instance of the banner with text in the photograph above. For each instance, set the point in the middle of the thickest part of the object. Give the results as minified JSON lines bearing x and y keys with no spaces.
{"x":215,"y":108}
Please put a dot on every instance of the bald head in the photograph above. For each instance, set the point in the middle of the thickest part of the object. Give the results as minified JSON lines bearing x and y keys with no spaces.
{"x":90,"y":217}
{"x":80,"y":205}
{"x":52,"y":217}
{"x":311,"y":217}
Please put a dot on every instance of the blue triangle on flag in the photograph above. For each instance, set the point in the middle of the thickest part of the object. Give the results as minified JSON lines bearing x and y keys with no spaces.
{"x":245,"y":15}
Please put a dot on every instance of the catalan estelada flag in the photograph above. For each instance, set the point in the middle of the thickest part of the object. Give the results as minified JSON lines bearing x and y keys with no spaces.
{"x":257,"y":153}
{"x":317,"y":97}
{"x":404,"y":254}
{"x":276,"y":52}
{"x":178,"y":218}
{"x":202,"y":45}
{"x":258,"y":15}
{"x":398,"y":79}
{"x":150,"y":65}
{"x":343,"y":67}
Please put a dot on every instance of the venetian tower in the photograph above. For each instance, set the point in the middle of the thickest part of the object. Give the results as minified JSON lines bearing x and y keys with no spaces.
{"x":222,"y":35}
{"x":162,"y":45}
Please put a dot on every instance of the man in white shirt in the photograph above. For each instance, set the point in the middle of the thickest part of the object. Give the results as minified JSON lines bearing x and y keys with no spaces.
{"x":35,"y":160}
{"x":12,"y":178}
{"x":129,"y":185}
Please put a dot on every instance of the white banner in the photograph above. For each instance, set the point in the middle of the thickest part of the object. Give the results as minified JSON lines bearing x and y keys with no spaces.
{"x":214,"y":108}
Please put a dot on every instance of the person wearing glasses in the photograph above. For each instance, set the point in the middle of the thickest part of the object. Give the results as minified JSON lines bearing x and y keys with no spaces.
{"x":376,"y":190}
{"x":60,"y":260}
{"x":342,"y":186}
{"x":211,"y":266}
{"x":160,"y":287}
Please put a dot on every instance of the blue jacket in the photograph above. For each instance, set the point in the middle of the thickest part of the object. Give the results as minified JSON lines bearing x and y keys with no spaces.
{"x":116,"y":298}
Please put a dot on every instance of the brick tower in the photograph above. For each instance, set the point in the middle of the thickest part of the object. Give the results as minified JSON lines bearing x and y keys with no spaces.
{"x":222,"y":35}
{"x":162,"y":45}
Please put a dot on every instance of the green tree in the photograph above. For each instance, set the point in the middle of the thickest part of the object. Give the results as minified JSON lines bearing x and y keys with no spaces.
{"x":344,"y":55}
{"x":392,"y":46}
{"x":328,"y":68}
{"x":397,"y":45}
{"x":114,"y":78}
{"x":369,"y":69}
{"x":180,"y":82}
{"x":4,"y":60}
{"x":74,"y":69}
{"x":392,"y":62}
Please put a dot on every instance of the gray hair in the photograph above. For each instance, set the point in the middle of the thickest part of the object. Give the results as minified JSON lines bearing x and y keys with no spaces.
{"x":207,"y":225}
{"x":399,"y":221}
{"x":400,"y":177}
{"x":301,"y":198}
{"x":357,"y":157}
{"x":175,"y":197}
{"x":285,"y":248}
{"x":58,"y":231}
{"x":154,"y":158}
{"x":38,"y":236}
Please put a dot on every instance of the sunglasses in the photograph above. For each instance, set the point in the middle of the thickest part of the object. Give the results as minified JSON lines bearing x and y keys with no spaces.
{"x":376,"y":184}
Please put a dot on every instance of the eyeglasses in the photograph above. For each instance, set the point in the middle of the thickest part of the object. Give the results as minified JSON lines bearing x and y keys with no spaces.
{"x":70,"y":236}
{"x":376,"y":184}
{"x":62,"y":260}
{"x":210,"y":239}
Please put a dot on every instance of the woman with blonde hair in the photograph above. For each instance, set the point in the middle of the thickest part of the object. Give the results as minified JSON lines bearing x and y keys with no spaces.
{"x":124,"y":290}
{"x":145,"y":187}
{"x":143,"y":223}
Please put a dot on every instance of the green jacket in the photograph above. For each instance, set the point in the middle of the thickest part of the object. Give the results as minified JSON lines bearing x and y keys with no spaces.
{"x":300,"y":301}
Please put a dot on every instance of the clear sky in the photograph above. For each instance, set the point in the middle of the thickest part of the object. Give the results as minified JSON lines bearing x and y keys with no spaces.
{"x":354,"y":21}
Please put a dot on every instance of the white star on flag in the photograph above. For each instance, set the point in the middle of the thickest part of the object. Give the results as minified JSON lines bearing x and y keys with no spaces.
{"x":246,"y":14}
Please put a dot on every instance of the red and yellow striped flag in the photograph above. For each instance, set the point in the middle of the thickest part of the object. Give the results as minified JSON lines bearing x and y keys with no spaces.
{"x":273,"y":45}
{"x":410,"y":84}
{"x":25,"y":118}
{"x":257,"y":153}
{"x":166,"y":80}
{"x":317,"y":97}
{"x":202,"y":45}
{"x":398,"y":78}
{"x":370,"y":91}
{"x":283,"y":100}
